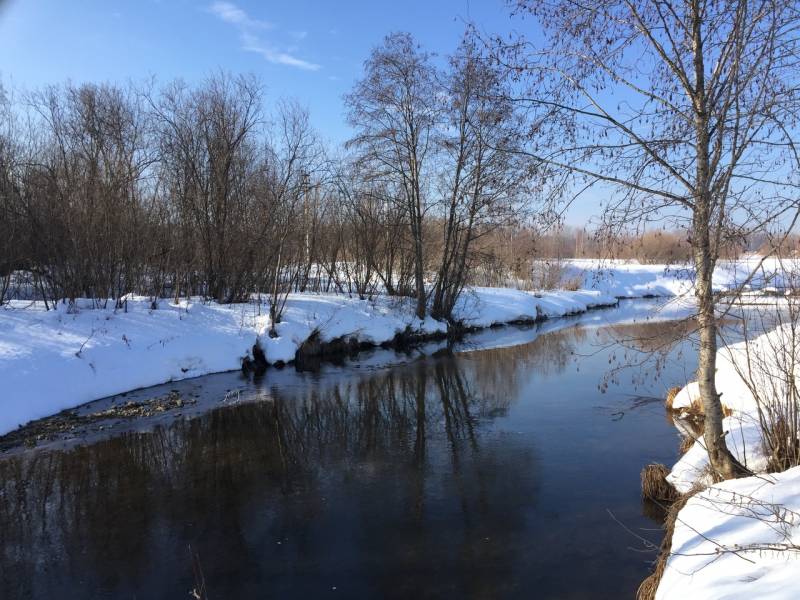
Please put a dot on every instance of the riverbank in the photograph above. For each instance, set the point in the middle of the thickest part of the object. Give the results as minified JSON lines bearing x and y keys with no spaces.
{"x":741,"y":538}
{"x":57,"y":359}
{"x":51,"y":360}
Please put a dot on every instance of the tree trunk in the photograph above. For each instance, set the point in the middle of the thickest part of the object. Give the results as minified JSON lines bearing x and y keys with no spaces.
{"x":723,"y":464}
{"x":419,"y":256}
{"x":419,"y":275}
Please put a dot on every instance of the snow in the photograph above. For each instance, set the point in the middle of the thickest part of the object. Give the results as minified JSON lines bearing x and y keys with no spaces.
{"x":731,"y":540}
{"x":57,"y":359}
{"x":51,"y":360}
{"x":631,"y":279}
{"x":624,"y":279}
{"x":335,"y":316}
{"x":484,"y":307}
{"x":744,"y":442}
{"x":740,"y":369}
{"x":749,"y":515}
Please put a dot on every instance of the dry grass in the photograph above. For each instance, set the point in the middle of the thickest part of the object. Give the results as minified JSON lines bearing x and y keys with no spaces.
{"x":693,"y":412}
{"x":784,"y":444}
{"x":655,"y":486}
{"x":686,"y":443}
{"x":671,"y":393}
{"x":648,"y":587}
{"x":656,"y":489}
{"x":695,"y":409}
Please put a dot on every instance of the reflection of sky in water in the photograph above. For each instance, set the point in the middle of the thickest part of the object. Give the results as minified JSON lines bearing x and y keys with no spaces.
{"x":479,"y":474}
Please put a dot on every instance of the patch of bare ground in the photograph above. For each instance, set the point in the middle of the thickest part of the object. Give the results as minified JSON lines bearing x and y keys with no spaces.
{"x":69,"y":421}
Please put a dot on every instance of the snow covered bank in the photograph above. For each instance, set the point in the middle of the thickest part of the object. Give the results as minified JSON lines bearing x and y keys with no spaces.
{"x":738,"y":539}
{"x":53,"y":360}
{"x":630,"y":279}
{"x":748,"y":374}
{"x":734,"y":539}
{"x":627,"y":279}
{"x":332,"y":316}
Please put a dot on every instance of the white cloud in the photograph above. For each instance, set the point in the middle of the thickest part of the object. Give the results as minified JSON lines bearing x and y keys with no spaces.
{"x":251,"y":43}
{"x":247,"y":26}
{"x":230,"y":13}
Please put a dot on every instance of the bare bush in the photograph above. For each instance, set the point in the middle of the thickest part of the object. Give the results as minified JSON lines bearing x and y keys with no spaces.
{"x":769,"y":366}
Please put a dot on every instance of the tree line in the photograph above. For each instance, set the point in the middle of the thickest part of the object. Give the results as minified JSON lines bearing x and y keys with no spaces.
{"x":197,"y":189}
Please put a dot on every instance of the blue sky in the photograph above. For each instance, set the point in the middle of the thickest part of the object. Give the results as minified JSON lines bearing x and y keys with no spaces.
{"x":307,"y":50}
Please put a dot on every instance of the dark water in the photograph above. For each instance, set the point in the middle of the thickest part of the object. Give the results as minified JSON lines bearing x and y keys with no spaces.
{"x":489,"y":474}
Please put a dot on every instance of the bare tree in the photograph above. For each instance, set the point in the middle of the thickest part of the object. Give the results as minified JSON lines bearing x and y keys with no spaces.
{"x":80,"y":187}
{"x":394,"y":110}
{"x":678,"y":110}
{"x":10,"y":251}
{"x":481,"y":169}
{"x":207,"y":147}
{"x":291,"y":159}
{"x":361,"y":233}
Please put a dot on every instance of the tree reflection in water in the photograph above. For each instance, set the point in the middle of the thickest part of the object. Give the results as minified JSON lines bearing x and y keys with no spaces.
{"x":268,"y":490}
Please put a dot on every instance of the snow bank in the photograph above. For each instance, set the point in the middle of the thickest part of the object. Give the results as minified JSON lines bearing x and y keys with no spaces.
{"x":730,"y":539}
{"x":624,"y":279}
{"x":334,"y":316}
{"x":744,"y":442}
{"x":630,"y":279}
{"x":53,"y":360}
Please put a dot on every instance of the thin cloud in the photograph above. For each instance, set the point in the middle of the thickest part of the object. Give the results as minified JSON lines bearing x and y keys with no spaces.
{"x":230,"y":13}
{"x":247,"y":26}
{"x":253,"y":44}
